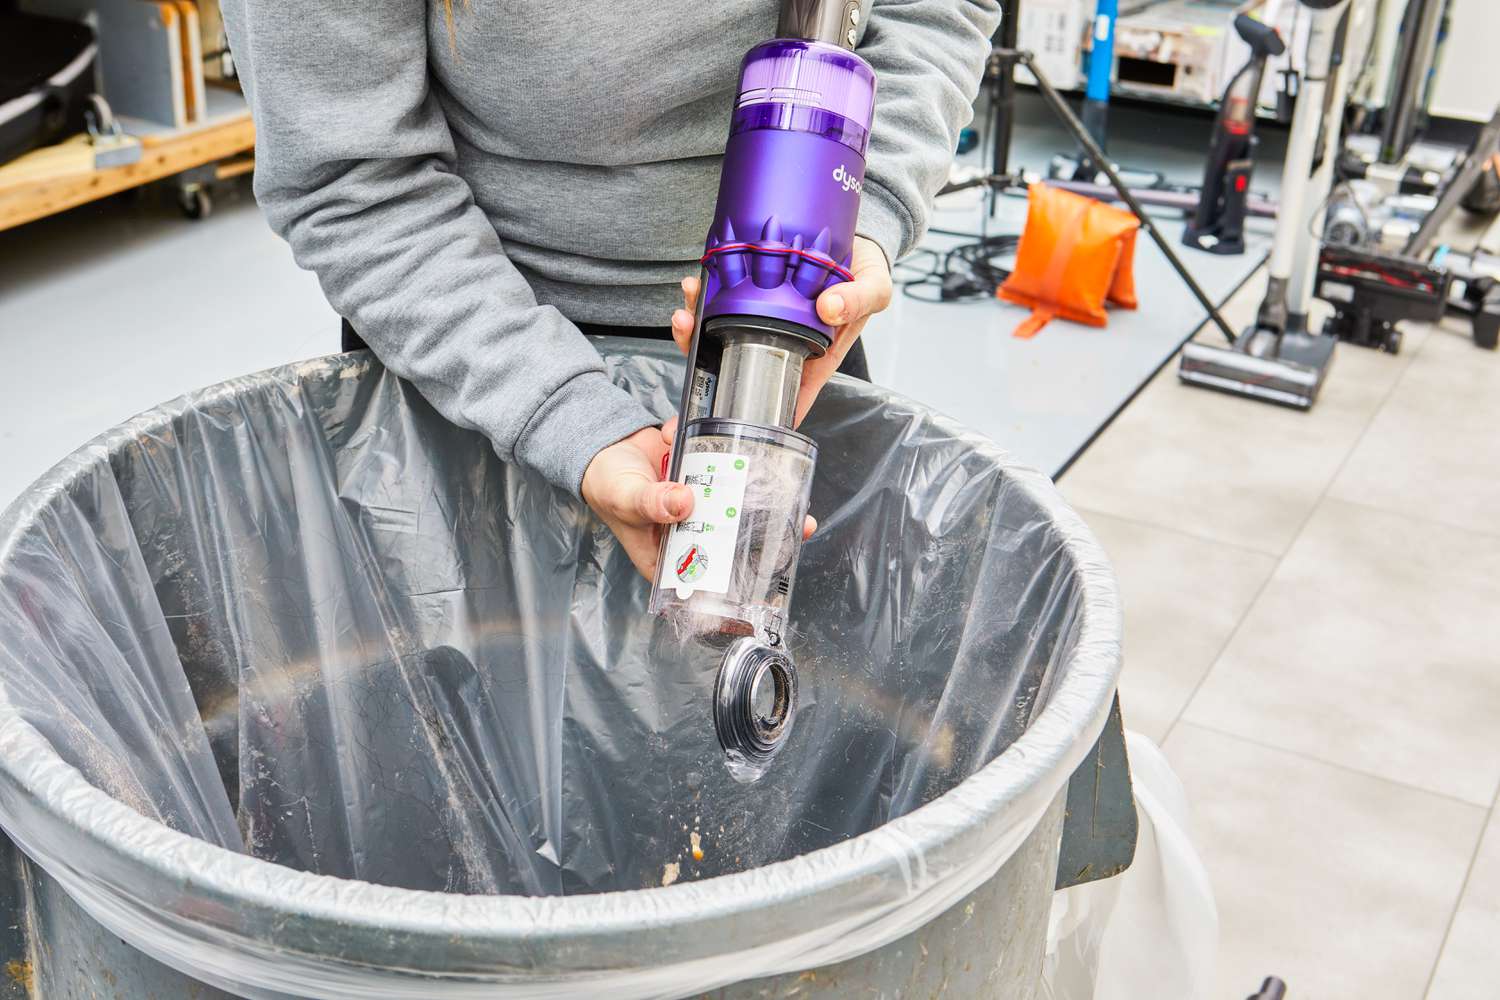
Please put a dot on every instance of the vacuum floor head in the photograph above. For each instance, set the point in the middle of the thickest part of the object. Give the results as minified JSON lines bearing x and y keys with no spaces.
{"x":1287,"y":369}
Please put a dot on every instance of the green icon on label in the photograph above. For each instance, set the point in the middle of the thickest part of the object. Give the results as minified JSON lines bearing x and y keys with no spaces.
{"x":711,"y":469}
{"x":730,"y":512}
{"x":739,"y":463}
{"x":708,"y":491}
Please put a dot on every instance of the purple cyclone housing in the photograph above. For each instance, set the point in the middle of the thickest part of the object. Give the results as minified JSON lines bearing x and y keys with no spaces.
{"x":794,"y":167}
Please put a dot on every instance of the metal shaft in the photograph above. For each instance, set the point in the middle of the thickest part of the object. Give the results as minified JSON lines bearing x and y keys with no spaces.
{"x":1419,"y":36}
{"x":1294,"y":249}
{"x":833,"y":21}
{"x":759,"y":378}
{"x":1070,"y":120}
{"x":684,"y":410}
{"x":1341,"y":64}
{"x":1485,"y":148}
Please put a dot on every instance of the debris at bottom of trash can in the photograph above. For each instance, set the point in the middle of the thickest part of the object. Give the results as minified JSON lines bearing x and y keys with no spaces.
{"x":304,"y":693}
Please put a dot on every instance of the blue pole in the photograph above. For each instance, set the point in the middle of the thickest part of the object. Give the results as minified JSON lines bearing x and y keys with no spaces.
{"x":1102,"y":56}
{"x":1101,"y":67}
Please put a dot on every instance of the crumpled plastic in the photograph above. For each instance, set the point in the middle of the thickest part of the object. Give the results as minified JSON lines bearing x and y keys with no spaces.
{"x":303,"y":692}
{"x":1153,"y":930}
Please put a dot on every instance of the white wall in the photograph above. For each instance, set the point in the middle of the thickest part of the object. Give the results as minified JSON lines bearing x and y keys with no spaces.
{"x":1467,"y":84}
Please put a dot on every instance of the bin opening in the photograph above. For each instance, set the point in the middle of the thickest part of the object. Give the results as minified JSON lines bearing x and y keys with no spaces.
{"x":304,"y":617}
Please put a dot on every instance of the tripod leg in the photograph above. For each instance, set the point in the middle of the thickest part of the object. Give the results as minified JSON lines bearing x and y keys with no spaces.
{"x":1003,"y":96}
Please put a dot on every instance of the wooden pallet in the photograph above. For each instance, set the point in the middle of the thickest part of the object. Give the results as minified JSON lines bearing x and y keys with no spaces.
{"x":61,"y":177}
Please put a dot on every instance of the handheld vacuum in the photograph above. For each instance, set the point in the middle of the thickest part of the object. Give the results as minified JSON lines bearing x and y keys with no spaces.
{"x":783,"y":230}
{"x":1218,"y":222}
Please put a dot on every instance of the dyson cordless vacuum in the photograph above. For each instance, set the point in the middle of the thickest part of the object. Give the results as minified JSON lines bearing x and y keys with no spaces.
{"x":783,"y":230}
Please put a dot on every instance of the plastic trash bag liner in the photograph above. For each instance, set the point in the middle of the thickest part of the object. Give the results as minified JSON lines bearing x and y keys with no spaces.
{"x":1153,"y":931}
{"x":301,"y":616}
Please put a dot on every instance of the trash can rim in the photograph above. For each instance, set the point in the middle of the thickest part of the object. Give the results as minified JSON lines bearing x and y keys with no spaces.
{"x":934,"y":842}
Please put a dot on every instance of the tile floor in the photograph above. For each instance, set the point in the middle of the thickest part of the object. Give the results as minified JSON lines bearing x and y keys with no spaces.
{"x":1311,"y":631}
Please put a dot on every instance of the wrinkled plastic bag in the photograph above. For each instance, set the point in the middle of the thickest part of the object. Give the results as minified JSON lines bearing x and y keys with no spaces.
{"x":1152,"y":931}
{"x":301,"y":617}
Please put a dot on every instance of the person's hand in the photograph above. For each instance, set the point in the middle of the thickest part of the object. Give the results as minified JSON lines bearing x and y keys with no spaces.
{"x":623,"y":485}
{"x":847,"y":306}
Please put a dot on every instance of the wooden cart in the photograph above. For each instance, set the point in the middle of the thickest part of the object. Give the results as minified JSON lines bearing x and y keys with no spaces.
{"x":60,"y":177}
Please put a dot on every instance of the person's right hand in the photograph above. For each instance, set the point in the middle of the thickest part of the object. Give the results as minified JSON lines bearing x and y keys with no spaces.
{"x":624,"y":487}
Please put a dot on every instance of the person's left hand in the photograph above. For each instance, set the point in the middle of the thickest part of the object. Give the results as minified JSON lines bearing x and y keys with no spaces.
{"x":846,"y":306}
{"x":623,"y":484}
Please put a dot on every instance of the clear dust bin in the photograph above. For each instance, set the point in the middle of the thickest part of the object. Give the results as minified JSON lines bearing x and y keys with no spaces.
{"x":729,"y":568}
{"x":725,"y":576}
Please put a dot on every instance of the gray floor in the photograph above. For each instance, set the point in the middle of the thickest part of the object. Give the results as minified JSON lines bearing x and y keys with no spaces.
{"x":1046,"y":397}
{"x":110,"y":309}
{"x":1311,"y":630}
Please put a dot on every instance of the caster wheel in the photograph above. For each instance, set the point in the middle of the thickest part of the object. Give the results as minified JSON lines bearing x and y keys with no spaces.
{"x":1393,"y":342}
{"x":196,"y":203}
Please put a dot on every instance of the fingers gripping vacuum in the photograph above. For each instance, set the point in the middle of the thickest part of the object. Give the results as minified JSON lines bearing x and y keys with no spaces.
{"x":783,"y":231}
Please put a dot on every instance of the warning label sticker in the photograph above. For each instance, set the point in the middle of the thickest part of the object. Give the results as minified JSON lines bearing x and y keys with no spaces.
{"x":701,"y":549}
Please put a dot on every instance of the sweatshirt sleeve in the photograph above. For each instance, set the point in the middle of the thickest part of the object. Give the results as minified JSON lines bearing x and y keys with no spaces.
{"x":355,"y":170}
{"x":929,"y":58}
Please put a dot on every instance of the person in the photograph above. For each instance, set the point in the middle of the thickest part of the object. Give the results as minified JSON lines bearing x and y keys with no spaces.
{"x":477,"y":183}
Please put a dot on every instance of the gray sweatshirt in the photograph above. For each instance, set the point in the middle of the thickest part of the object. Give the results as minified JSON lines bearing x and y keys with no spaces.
{"x":465,"y":197}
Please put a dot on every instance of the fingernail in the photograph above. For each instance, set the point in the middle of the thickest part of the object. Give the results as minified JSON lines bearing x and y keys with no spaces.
{"x":835,"y":306}
{"x":677,"y":503}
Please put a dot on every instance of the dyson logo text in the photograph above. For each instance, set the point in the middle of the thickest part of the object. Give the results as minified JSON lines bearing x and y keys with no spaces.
{"x":846,"y":180}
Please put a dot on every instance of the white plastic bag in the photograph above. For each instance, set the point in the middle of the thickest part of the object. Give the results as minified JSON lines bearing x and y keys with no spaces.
{"x":1151,"y":932}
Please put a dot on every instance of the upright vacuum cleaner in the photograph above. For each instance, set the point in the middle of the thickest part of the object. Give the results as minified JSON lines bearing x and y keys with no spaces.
{"x":1279,"y":360}
{"x":1218,"y":223}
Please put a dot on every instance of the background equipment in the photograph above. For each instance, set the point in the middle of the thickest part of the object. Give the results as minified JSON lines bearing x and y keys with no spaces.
{"x":1379,"y":264}
{"x":1094,"y":111}
{"x":1372,"y":292}
{"x":1279,"y":359}
{"x":1414,"y":60}
{"x":46,"y":81}
{"x":1218,"y":223}
{"x":1475,"y":292}
{"x":783,"y":231}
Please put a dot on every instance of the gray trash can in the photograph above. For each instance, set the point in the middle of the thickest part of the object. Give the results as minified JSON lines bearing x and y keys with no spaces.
{"x":304,"y":693}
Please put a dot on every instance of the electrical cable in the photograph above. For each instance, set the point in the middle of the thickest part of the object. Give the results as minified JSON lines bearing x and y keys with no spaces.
{"x":966,"y":273}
